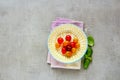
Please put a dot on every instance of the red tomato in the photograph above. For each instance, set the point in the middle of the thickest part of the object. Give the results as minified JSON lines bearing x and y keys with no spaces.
{"x":63,"y":50}
{"x":68,"y":48}
{"x":60,"y":40}
{"x":68,"y":37}
{"x":72,"y":44}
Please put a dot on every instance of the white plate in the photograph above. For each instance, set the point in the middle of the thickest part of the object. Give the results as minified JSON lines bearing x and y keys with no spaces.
{"x":62,"y":30}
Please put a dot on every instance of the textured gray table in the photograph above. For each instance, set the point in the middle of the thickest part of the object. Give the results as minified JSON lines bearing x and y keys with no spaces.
{"x":25,"y":26}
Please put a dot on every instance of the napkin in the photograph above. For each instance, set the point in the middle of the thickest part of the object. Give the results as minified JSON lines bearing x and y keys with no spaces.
{"x":50,"y":59}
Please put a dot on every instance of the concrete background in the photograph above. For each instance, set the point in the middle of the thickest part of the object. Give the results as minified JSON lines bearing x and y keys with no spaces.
{"x":25,"y":26}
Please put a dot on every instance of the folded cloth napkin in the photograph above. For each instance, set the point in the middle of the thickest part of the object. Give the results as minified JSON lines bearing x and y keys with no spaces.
{"x":53,"y":62}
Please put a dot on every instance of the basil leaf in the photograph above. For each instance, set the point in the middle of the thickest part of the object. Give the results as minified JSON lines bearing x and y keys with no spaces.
{"x":90,"y":41}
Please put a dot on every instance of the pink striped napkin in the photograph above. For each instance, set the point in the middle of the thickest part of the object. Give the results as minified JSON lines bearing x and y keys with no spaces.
{"x":53,"y":62}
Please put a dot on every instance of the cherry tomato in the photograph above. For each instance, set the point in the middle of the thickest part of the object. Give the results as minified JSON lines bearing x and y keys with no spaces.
{"x":73,"y":50}
{"x":65,"y":43}
{"x":60,"y":40}
{"x":72,"y":44}
{"x":68,"y":37}
{"x":68,"y":48}
{"x":75,"y":40}
{"x":77,"y":45}
{"x":68,"y":54}
{"x":57,"y":45}
{"x":63,"y":50}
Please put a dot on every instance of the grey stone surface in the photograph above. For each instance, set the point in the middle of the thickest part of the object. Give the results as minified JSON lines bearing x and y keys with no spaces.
{"x":25,"y":26}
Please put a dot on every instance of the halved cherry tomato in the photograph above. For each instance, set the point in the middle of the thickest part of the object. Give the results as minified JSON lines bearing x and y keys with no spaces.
{"x":60,"y":40}
{"x":68,"y":37}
